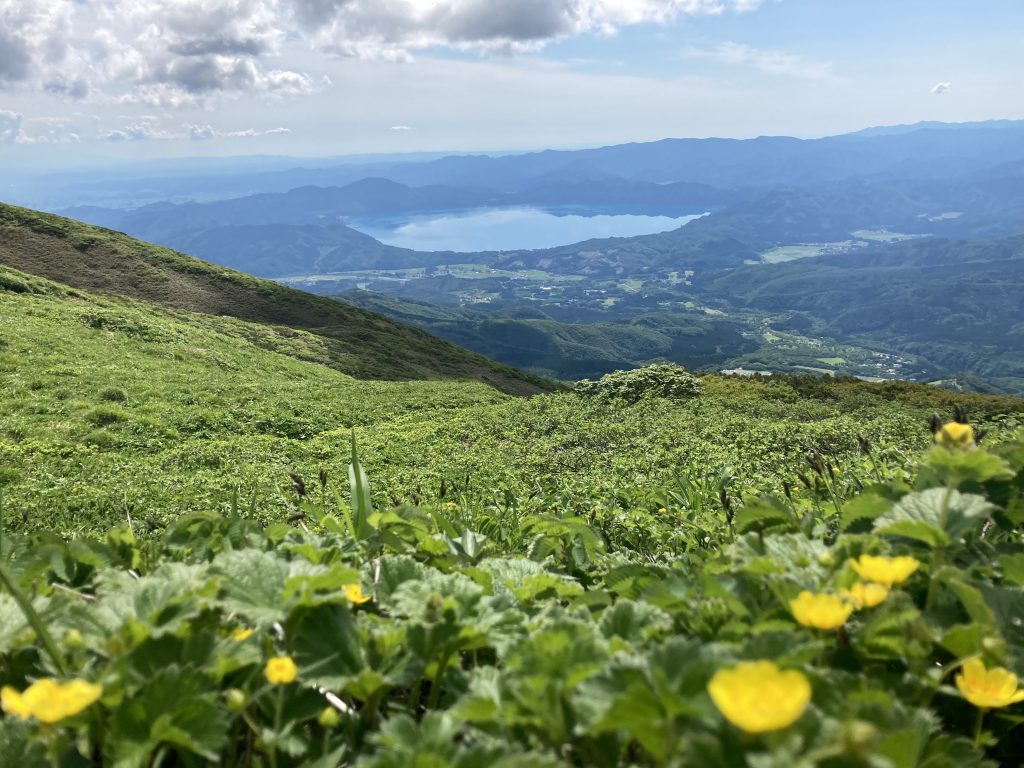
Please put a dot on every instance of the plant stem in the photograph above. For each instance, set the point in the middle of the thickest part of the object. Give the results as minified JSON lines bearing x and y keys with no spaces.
{"x":938,"y":554}
{"x":278,"y":705}
{"x":977,"y":726}
{"x":435,"y":688}
{"x":34,"y":620}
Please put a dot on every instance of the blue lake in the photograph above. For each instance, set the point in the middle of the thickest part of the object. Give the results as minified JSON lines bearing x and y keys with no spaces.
{"x":506,"y":229}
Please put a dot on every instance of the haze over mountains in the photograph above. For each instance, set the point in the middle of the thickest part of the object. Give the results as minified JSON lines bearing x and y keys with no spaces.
{"x":889,"y":252}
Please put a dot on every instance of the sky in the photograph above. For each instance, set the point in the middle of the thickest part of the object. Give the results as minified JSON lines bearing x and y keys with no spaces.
{"x":132,"y":79}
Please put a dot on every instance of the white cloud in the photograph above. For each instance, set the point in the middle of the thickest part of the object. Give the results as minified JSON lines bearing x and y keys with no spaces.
{"x":184,"y":53}
{"x":940,"y":88}
{"x":141,"y":131}
{"x":15,"y":128}
{"x":393,"y":30}
{"x":201,"y":132}
{"x":49,"y":130}
{"x":770,"y":62}
{"x":10,"y":126}
{"x":401,"y":127}
{"x":205,"y":132}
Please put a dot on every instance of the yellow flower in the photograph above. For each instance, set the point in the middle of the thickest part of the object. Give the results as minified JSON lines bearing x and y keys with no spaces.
{"x":866,"y":594}
{"x":354,"y":594}
{"x":885,"y":570}
{"x":281,"y":670}
{"x":988,"y":688}
{"x":241,"y":633}
{"x":662,"y":511}
{"x":955,"y":435}
{"x":759,"y":697}
{"x":49,"y":701}
{"x":820,"y":611}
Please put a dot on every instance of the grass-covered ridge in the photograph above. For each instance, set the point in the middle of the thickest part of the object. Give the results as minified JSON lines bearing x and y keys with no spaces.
{"x":360,"y":343}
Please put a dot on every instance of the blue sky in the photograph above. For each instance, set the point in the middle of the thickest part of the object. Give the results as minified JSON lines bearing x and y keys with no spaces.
{"x":162,"y":78}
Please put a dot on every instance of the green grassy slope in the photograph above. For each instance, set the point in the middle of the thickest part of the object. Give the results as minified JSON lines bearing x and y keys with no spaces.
{"x":111,"y":409}
{"x":353,"y":341}
{"x":111,"y":405}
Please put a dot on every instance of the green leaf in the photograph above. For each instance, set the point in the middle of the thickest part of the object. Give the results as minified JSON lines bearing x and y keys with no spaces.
{"x":326,"y":645}
{"x":362,"y":504}
{"x":634,"y":622}
{"x":969,"y":597}
{"x":861,"y":509}
{"x":763,"y":513}
{"x":965,"y":640}
{"x":1013,"y":568}
{"x":253,"y":584}
{"x":956,"y":467}
{"x":174,"y":708}
{"x":935,"y":517}
{"x":30,"y":614}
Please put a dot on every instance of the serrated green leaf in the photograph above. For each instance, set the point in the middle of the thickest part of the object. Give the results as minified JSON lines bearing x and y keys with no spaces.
{"x":763,"y":513}
{"x":863,"y":509}
{"x":956,"y":467}
{"x":935,"y":517}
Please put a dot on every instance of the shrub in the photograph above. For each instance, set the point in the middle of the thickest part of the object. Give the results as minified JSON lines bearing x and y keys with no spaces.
{"x":113,"y":395}
{"x":101,"y":440}
{"x":659,"y":380}
{"x":103,"y":416}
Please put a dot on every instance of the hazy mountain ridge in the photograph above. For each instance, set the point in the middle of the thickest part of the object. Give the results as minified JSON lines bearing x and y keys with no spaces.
{"x":943,"y":185}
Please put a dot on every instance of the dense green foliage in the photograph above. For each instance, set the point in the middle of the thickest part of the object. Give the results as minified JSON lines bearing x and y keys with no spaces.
{"x":665,"y":381}
{"x":513,"y":635}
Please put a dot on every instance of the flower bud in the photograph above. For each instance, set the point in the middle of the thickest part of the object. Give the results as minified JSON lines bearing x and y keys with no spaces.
{"x":329,"y":718}
{"x":236,"y":699}
{"x":74,"y":640}
{"x":860,"y":737}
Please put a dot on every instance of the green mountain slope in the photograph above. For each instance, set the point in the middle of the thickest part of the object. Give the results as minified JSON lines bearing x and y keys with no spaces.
{"x":532,"y":339}
{"x":112,"y":406}
{"x":353,"y":341}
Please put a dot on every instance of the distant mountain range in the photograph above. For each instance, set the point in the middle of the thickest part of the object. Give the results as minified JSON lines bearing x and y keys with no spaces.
{"x":838,"y":207}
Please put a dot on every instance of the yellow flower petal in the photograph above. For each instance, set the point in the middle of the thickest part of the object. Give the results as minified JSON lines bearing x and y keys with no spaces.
{"x":241,"y":633}
{"x":988,"y":688}
{"x":866,"y":594}
{"x":758,"y":697}
{"x":820,"y":611}
{"x":49,"y":701}
{"x":885,"y":570}
{"x":281,"y":670}
{"x":955,"y":435}
{"x":355,"y":595}
{"x":13,"y":703}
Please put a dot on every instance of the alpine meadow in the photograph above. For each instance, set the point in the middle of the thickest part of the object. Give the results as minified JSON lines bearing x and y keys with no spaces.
{"x":380,"y":388}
